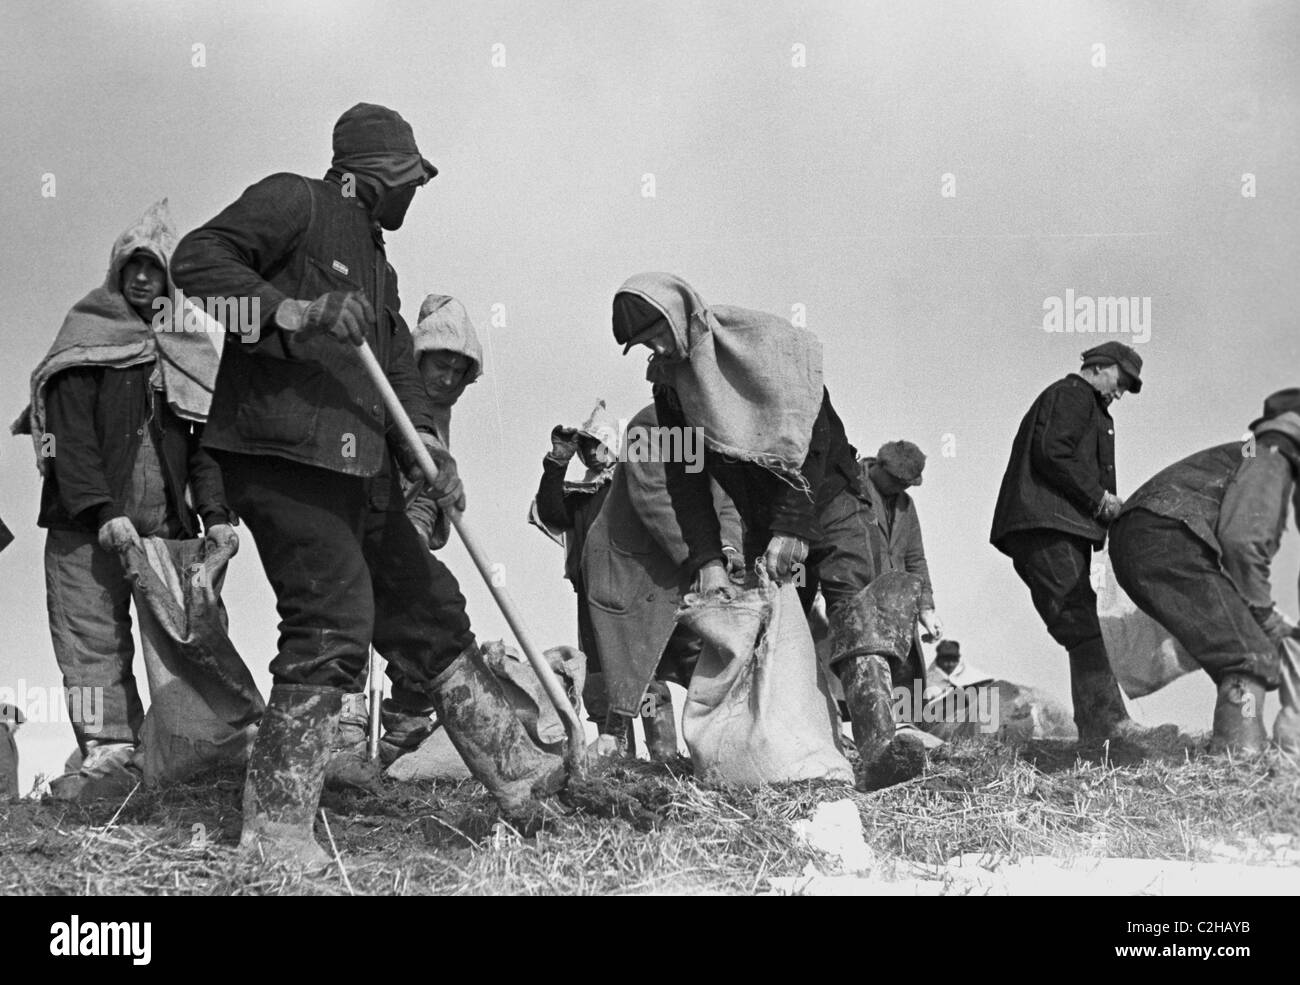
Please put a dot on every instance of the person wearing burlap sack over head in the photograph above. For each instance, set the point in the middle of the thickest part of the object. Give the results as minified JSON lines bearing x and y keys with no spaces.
{"x":116,"y":414}
{"x":11,"y":719}
{"x":311,"y":460}
{"x":1193,"y":547}
{"x":1056,"y":501}
{"x":752,"y":384}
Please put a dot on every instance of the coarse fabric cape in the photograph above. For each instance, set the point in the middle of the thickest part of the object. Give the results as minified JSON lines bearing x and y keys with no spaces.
{"x":102,"y":329}
{"x":751,"y":381}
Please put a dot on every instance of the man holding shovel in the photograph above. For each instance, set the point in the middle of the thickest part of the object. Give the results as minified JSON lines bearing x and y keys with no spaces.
{"x":301,"y":431}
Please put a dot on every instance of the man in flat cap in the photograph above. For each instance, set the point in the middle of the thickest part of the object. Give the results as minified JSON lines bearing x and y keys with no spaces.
{"x":310,"y":460}
{"x":1193,"y":548}
{"x":1056,"y":501}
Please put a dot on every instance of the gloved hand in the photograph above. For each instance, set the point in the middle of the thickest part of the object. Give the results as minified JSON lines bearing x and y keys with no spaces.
{"x":222,"y":537}
{"x":930,"y":623}
{"x":447,"y":491}
{"x":712,"y":577}
{"x":346,"y":315}
{"x":118,"y":534}
{"x":564,"y":443}
{"x":1109,"y":508}
{"x":784,"y":551}
{"x":735,"y":562}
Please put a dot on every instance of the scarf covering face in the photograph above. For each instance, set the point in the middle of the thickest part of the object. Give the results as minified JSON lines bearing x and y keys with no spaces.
{"x":102,"y":329}
{"x":752,"y":382}
{"x":444,"y":325}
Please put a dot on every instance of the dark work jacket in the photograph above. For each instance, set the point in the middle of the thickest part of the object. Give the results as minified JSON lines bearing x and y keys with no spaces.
{"x":766,"y":503}
{"x":1062,"y":464}
{"x":896,"y":535}
{"x":572,"y":512}
{"x":97,"y":416}
{"x":1233,"y":501}
{"x":308,"y":401}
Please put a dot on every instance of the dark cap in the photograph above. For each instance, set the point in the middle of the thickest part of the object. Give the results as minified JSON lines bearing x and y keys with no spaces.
{"x":1277,"y":404}
{"x":1118,"y":353}
{"x":948,"y":648}
{"x":368,"y":129}
{"x":903,"y":460}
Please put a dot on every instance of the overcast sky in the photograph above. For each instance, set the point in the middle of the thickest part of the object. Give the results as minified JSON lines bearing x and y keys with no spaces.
{"x":798,"y":154}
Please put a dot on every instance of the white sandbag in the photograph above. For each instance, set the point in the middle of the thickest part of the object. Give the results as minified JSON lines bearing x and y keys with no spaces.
{"x":1143,"y":654}
{"x":758,"y":710}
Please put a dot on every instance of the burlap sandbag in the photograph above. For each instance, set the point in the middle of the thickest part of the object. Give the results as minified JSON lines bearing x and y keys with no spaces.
{"x":203,"y":704}
{"x":1143,"y":654}
{"x":758,"y":710}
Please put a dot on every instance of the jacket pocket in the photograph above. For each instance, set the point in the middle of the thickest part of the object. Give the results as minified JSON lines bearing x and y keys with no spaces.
{"x":615,"y":580}
{"x":280,"y":402}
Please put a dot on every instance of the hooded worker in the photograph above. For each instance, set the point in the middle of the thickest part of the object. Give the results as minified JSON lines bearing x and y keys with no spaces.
{"x":312,"y":458}
{"x":750,"y":384}
{"x":116,"y":415}
{"x":449,"y":358}
{"x":1193,"y":547}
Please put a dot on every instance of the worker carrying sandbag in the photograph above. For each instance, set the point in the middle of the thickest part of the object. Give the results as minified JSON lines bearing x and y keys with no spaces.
{"x":750,"y":384}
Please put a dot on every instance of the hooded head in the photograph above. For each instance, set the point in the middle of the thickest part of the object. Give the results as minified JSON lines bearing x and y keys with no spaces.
{"x":647,"y":303}
{"x":444,"y":329}
{"x":140,"y":263}
{"x":376,"y":145}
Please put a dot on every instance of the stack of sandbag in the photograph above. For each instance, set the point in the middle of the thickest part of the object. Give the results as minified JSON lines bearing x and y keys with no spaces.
{"x":758,"y":710}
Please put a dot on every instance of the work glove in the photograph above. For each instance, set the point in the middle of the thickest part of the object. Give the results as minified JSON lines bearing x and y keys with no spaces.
{"x":564,"y":443}
{"x":735,"y":562}
{"x":345,"y":315}
{"x":222,"y":537}
{"x":712,"y":578}
{"x":1109,"y":508}
{"x":784,"y":551}
{"x":118,"y":534}
{"x":447,"y":490}
{"x":930,"y":623}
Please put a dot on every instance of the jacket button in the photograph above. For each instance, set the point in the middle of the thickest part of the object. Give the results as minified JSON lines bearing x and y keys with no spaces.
{"x":1110,"y":430}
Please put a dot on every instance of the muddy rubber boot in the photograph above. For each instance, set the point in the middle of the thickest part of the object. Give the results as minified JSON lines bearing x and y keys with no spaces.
{"x":350,"y":767}
{"x":1099,"y":710}
{"x":886,"y":756}
{"x":1239,"y":716}
{"x":493,"y":743}
{"x":660,"y":725}
{"x":404,"y":729}
{"x":286,"y":773}
{"x":869,"y":634}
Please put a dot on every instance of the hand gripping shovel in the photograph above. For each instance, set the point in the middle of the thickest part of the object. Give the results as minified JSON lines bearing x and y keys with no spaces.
{"x":576,"y":755}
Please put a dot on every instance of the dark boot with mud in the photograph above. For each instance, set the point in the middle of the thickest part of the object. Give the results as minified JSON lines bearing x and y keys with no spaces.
{"x":286,"y":773}
{"x":493,"y":743}
{"x":868,"y":634}
{"x":1099,"y":710}
{"x":407,"y":722}
{"x":659,"y":723}
{"x":350,"y":767}
{"x":1239,"y":716}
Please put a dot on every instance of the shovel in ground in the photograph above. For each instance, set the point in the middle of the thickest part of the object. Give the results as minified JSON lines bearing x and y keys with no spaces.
{"x":576,"y":746}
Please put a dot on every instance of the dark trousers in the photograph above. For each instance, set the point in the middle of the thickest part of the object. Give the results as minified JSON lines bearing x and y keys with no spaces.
{"x":1057,"y":567}
{"x":344,"y":576}
{"x":1174,"y":577}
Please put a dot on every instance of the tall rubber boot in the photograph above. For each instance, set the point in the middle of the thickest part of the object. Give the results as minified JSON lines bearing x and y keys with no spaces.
{"x":1099,"y":710}
{"x":659,"y":723}
{"x":867,"y":633}
{"x":349,"y":766}
{"x":286,"y":772}
{"x":1239,"y":716}
{"x":493,"y":743}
